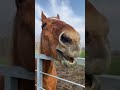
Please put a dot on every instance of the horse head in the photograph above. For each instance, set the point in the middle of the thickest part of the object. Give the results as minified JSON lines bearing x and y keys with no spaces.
{"x":97,"y":43}
{"x":96,"y":46}
{"x":25,"y":12}
{"x":59,"y":40}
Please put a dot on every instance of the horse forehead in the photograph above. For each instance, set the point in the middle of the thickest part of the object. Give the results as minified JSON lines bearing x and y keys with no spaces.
{"x":64,"y":27}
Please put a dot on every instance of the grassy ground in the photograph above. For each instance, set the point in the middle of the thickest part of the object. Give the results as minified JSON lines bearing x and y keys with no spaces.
{"x":75,"y":74}
{"x":82,"y":54}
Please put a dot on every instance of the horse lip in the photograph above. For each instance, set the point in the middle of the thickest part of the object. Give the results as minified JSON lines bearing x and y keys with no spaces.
{"x":59,"y":52}
{"x":70,"y":59}
{"x":69,"y":64}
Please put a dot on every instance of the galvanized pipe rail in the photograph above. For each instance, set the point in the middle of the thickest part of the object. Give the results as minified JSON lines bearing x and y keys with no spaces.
{"x":39,"y":72}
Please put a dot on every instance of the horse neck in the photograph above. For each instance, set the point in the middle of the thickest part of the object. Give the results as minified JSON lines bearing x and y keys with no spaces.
{"x":49,"y":67}
{"x":49,"y":83}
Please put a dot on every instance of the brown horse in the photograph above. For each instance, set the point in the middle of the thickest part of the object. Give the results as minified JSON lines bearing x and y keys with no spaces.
{"x":97,"y":46}
{"x":23,"y":40}
{"x":60,"y":41}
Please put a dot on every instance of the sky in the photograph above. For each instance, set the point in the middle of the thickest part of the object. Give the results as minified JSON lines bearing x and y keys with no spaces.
{"x":70,"y":11}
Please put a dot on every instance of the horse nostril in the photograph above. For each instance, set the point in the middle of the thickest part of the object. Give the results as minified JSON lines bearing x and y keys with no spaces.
{"x":65,"y":39}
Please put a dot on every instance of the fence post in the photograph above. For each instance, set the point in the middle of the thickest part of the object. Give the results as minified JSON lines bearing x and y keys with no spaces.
{"x":10,"y":83}
{"x":39,"y":75}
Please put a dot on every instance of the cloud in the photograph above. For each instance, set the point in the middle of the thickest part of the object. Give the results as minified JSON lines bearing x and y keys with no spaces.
{"x":67,"y":14}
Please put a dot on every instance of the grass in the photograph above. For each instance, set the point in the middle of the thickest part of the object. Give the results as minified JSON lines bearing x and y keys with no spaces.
{"x":82,"y":54}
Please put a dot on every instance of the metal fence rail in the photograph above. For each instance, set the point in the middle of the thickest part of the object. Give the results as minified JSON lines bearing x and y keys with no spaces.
{"x":39,"y":72}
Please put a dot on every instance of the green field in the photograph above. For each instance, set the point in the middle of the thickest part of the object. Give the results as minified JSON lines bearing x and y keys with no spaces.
{"x":82,"y":54}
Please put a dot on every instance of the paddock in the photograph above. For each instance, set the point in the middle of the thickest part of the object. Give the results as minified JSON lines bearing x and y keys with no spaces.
{"x":39,"y":73}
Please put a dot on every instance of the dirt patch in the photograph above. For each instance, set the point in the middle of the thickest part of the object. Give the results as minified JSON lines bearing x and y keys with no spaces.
{"x":75,"y":74}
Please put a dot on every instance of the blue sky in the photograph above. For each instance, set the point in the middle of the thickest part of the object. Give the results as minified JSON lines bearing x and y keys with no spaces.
{"x":70,"y":11}
{"x":77,"y":5}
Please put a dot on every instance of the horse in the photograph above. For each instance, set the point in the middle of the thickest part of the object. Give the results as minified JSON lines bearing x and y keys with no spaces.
{"x":96,"y":46}
{"x":23,"y":40}
{"x":60,"y":41}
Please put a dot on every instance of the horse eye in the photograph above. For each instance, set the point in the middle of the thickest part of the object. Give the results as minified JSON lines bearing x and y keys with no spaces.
{"x":66,"y":39}
{"x":43,"y":25}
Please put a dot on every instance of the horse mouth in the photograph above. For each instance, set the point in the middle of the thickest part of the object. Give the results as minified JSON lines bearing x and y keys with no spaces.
{"x":67,"y":61}
{"x":65,"y":57}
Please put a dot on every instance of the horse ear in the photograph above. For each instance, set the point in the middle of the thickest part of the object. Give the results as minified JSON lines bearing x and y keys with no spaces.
{"x":58,"y":17}
{"x":43,"y":17}
{"x":19,"y":3}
